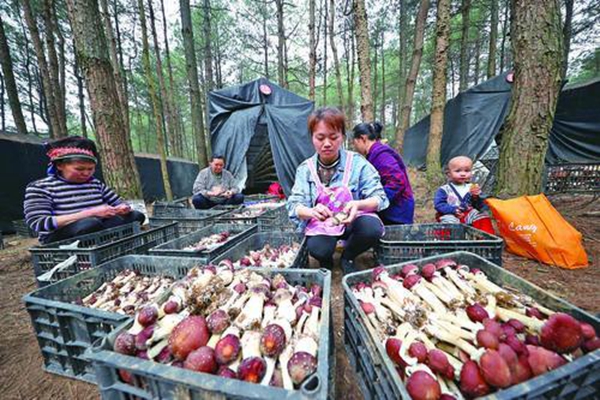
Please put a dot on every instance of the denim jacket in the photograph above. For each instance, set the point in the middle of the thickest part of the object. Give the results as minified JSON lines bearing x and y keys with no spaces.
{"x":364,"y":183}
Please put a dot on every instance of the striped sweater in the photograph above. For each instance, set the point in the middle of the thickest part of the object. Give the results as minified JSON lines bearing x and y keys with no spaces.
{"x":53,"y":196}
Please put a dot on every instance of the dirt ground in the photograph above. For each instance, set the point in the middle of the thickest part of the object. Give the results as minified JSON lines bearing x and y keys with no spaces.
{"x":22,"y":376}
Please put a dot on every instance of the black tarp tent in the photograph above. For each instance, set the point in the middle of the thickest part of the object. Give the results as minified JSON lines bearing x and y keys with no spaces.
{"x":473,"y":119}
{"x":238,"y":114}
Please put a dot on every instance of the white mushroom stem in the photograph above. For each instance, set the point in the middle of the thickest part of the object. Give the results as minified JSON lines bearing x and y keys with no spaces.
{"x":419,"y":367}
{"x":312,"y":324}
{"x":251,"y":344}
{"x":461,"y":319}
{"x":284,"y":357}
{"x":439,"y":293}
{"x":300,"y":325}
{"x":393,"y":307}
{"x":157,"y":348}
{"x":443,"y":283}
{"x":532,"y":323}
{"x":481,"y":282}
{"x":429,"y":298}
{"x":166,"y":325}
{"x":395,"y":290}
{"x":268,"y":315}
{"x":491,"y":305}
{"x":306,"y":344}
{"x":214,"y":339}
{"x":453,"y":329}
{"x":448,"y":337}
{"x":406,"y":342}
{"x":460,"y":283}
{"x":270,"y":370}
{"x":452,"y":388}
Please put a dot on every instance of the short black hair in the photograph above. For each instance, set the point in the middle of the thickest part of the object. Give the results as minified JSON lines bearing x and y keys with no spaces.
{"x":219,"y":156}
{"x":370,"y":130}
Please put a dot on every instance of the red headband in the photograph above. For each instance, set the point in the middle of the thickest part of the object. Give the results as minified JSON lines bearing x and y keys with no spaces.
{"x":62,"y":152}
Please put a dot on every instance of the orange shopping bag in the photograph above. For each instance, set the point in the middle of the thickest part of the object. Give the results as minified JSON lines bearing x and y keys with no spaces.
{"x":532,"y":228}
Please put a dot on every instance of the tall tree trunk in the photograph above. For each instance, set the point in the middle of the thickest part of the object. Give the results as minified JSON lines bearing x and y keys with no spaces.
{"x":208,"y":59}
{"x":438,"y":98}
{"x":491,"y":62}
{"x":265,"y":37}
{"x":402,"y":56}
{"x":192,"y":76}
{"x":29,"y":79}
{"x":537,"y":47}
{"x":176,"y":134}
{"x":411,"y":78}
{"x":505,"y":22}
{"x":364,"y":63}
{"x":11,"y":85}
{"x":48,"y":99}
{"x":464,"y":46}
{"x":80,"y":96}
{"x":382,"y":114}
{"x":280,"y":45}
{"x":567,"y":31}
{"x":160,"y":136}
{"x":119,"y":168}
{"x":53,"y":65}
{"x":477,"y":56}
{"x":164,"y":101}
{"x":2,"y":113}
{"x":375,"y":79}
{"x":61,"y":65}
{"x":118,"y":73}
{"x":349,"y":57}
{"x":325,"y":6}
{"x":312,"y":51}
{"x":336,"y":61}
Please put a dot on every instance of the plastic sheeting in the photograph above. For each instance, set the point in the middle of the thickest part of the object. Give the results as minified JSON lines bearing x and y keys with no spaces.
{"x":474,"y":117}
{"x":234,"y":114}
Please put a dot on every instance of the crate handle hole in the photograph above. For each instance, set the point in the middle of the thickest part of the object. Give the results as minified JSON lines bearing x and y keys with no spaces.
{"x":312,"y":384}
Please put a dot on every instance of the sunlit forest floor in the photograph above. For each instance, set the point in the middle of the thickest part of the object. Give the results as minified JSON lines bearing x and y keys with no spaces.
{"x":22,"y":376}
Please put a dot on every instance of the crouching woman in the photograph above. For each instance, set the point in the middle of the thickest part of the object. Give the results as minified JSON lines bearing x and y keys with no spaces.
{"x":70,"y":201}
{"x":336,"y":194}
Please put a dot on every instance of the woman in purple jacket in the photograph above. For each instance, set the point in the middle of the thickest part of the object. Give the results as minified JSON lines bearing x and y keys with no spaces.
{"x":389,"y":164}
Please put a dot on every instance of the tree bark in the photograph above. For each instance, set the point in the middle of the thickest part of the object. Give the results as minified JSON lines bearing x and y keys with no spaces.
{"x":375,"y":80}
{"x":192,"y":76}
{"x":9,"y":81}
{"x":265,"y":40}
{"x":504,"y":33}
{"x":49,"y":95}
{"x":118,"y":73}
{"x":491,"y":62}
{"x":350,"y":62}
{"x":208,"y":71}
{"x":477,"y":57}
{"x":2,"y":113}
{"x":29,"y":79}
{"x":364,"y":63}
{"x":53,"y":66}
{"x":312,"y":55}
{"x":325,"y":6}
{"x":160,"y":136}
{"x":80,"y":96}
{"x":567,"y":33}
{"x":119,"y":168}
{"x":382,"y":114}
{"x":281,"y":73}
{"x":336,"y":61}
{"x":411,"y":79}
{"x":176,"y":134}
{"x":464,"y":46}
{"x":438,"y":98}
{"x":402,"y":56}
{"x":537,"y":47}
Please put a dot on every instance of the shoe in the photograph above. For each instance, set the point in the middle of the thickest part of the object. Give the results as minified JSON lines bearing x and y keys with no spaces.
{"x":348,"y":266}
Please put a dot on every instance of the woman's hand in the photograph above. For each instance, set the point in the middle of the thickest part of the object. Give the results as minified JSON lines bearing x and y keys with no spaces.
{"x":320,"y":212}
{"x":351,"y":210}
{"x":123,"y":209}
{"x":103,"y":211}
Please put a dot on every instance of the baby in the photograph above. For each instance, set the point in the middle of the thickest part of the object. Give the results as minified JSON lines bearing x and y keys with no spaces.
{"x":460,"y":201}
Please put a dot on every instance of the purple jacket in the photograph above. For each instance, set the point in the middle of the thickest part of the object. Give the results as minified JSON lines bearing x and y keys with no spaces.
{"x":395,"y":182}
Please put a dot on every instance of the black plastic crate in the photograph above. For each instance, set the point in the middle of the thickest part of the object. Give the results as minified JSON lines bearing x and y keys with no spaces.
{"x":99,"y":247}
{"x":579,"y":379}
{"x":175,"y":247}
{"x":190,"y":220}
{"x":161,"y":381}
{"x":572,"y":178}
{"x":182,"y":202}
{"x":269,"y":219}
{"x":412,"y":242}
{"x":65,"y":330}
{"x":260,"y":198}
{"x":22,"y":229}
{"x":259,"y":240}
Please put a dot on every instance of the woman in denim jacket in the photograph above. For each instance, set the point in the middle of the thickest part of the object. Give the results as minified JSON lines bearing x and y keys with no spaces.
{"x":336,"y":194}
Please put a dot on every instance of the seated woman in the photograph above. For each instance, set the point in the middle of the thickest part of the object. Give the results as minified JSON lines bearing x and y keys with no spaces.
{"x":389,"y":164}
{"x":336,"y":194}
{"x":70,"y":202}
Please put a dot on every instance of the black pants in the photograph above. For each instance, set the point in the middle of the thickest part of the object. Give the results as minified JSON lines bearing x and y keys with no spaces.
{"x":202,"y":203}
{"x":362,"y":234}
{"x":93,"y":224}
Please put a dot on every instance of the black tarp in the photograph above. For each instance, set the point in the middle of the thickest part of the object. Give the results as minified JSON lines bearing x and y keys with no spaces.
{"x":234,"y":114}
{"x":474,"y":117}
{"x":22,"y":160}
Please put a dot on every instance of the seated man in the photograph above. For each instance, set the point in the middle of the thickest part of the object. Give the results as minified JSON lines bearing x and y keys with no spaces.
{"x":215,"y":185}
